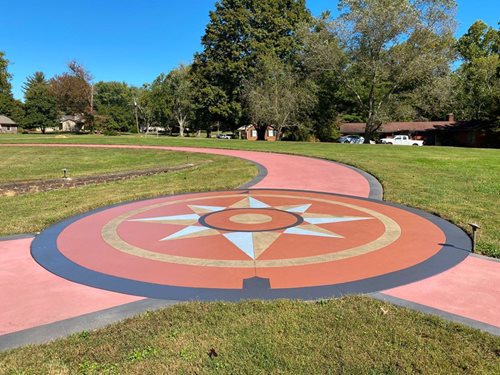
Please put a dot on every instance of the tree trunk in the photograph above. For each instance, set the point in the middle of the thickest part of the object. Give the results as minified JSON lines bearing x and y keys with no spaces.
{"x":369,"y":129}
{"x":181,"y":127}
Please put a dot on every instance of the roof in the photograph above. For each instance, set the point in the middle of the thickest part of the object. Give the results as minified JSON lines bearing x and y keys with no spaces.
{"x":394,"y":127}
{"x":74,"y":118}
{"x":4,"y":120}
{"x":250,"y":126}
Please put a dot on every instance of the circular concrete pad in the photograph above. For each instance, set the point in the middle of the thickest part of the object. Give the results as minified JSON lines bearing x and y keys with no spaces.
{"x":258,"y":243}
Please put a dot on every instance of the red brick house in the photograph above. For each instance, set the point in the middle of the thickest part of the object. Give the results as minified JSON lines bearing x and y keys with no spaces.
{"x":7,"y":125}
{"x":440,"y":133}
{"x":251,"y":133}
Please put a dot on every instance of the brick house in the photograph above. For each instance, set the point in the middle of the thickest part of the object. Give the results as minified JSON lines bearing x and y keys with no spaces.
{"x":7,"y":125}
{"x":439,"y":133}
{"x":251,"y":133}
{"x":71,"y":123}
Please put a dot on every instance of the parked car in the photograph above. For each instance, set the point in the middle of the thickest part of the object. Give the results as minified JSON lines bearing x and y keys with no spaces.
{"x":403,"y":140}
{"x":354,"y":139}
{"x":224,"y":136}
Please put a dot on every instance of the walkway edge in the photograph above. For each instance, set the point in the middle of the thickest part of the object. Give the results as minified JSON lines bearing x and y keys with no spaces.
{"x":436,"y":312}
{"x":63,"y":328}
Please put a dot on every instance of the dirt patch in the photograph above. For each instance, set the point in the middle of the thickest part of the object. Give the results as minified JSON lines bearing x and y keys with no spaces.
{"x":16,"y":188}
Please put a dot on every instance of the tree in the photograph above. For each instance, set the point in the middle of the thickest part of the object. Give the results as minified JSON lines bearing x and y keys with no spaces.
{"x":152,"y":104}
{"x":179,"y":96}
{"x":479,"y":41}
{"x":5,"y":76}
{"x":74,"y":91}
{"x":389,"y":48}
{"x":478,"y":78}
{"x":9,"y":106}
{"x":433,"y":100}
{"x":114,"y":104}
{"x":321,"y":58}
{"x":276,"y":96}
{"x":238,"y":33}
{"x":40,"y":103}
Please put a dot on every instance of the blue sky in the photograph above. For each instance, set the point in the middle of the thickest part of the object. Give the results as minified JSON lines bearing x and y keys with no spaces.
{"x":131,"y":41}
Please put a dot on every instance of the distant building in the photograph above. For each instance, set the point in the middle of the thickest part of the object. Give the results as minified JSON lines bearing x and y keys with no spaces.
{"x":439,"y":133}
{"x":71,"y":123}
{"x":7,"y":125}
{"x":250,"y":133}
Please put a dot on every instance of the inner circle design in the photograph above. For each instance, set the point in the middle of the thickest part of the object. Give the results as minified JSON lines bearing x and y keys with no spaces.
{"x":279,"y":220}
{"x":250,"y":219}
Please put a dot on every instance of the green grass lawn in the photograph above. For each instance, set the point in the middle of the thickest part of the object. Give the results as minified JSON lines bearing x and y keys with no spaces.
{"x":33,"y":212}
{"x":353,"y":335}
{"x":35,"y":163}
{"x":461,"y":185}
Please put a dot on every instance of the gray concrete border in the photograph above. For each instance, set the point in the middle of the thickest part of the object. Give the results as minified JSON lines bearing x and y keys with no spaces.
{"x":433,"y":311}
{"x":62,"y":328}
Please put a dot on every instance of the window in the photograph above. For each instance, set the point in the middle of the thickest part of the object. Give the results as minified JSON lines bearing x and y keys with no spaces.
{"x":254,"y":133}
{"x":271,"y":133}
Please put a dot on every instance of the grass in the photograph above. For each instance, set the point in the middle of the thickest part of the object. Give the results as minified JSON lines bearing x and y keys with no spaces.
{"x":461,"y":185}
{"x":352,"y":335}
{"x":33,"y":212}
{"x":34,"y":163}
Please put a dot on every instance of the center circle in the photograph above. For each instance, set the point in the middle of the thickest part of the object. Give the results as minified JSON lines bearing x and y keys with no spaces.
{"x":250,"y":220}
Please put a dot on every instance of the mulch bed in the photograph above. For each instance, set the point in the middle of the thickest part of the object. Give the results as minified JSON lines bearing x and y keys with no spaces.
{"x":24,"y":187}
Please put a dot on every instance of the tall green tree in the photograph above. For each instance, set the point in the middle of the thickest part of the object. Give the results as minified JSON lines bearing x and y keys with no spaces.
{"x":5,"y":76}
{"x":179,"y":96}
{"x":9,"y":106}
{"x":152,"y":105}
{"x":321,"y":58}
{"x":238,"y":33}
{"x":277,"y":96}
{"x":114,"y":104}
{"x":389,"y":48}
{"x":478,"y":78}
{"x":40,"y":104}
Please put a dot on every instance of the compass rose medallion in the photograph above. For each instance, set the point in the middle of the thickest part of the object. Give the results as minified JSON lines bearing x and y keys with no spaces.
{"x":255,"y":243}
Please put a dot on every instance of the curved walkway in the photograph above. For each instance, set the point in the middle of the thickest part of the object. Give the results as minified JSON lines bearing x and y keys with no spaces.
{"x":36,"y":305}
{"x":279,"y":170}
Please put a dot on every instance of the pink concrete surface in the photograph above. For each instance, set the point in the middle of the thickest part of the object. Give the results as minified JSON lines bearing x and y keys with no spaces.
{"x":31,"y":296}
{"x":471,"y":289}
{"x":298,"y":172}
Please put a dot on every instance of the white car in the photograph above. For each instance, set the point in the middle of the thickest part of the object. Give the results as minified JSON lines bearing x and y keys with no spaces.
{"x":403,"y":140}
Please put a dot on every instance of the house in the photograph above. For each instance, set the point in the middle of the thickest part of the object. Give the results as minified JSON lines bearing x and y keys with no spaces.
{"x":71,"y":123}
{"x":251,"y":133}
{"x":7,"y":125}
{"x":439,"y":133}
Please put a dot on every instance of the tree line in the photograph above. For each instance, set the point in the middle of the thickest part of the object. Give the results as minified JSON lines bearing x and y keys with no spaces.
{"x":270,"y":62}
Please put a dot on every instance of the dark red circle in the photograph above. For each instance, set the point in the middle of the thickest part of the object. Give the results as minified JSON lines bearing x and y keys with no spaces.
{"x":280,"y":220}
